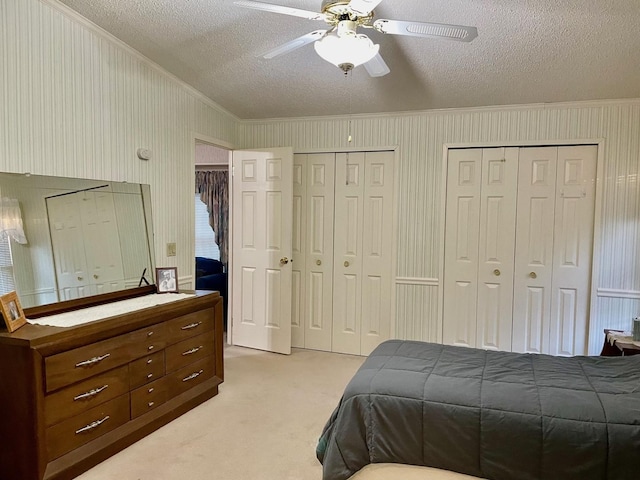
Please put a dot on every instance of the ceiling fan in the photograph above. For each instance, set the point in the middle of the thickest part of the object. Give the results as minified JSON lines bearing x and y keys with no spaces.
{"x":342,"y":45}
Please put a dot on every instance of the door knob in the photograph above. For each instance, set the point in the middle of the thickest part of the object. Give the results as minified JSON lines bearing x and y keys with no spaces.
{"x":533,"y":275}
{"x":496,"y":272}
{"x":79,"y":278}
{"x":318,"y":262}
{"x":284,"y":261}
{"x":95,"y":276}
{"x":346,"y":264}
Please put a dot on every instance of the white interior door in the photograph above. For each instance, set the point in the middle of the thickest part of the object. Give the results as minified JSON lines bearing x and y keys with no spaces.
{"x":319,"y":251}
{"x":377,"y":242}
{"x":572,"y":249}
{"x":462,"y":234}
{"x":261,"y":245}
{"x":498,"y":194}
{"x":298,"y":250}
{"x":347,"y":263}
{"x":556,"y":202}
{"x":65,"y":226}
{"x":102,"y":241}
{"x":534,"y":249}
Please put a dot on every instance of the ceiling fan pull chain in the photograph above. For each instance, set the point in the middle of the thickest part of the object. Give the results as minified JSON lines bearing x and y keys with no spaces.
{"x":346,"y":166}
{"x":350,"y":73}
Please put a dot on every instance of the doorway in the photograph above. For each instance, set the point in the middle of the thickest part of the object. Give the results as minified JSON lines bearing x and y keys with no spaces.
{"x":211,"y":220}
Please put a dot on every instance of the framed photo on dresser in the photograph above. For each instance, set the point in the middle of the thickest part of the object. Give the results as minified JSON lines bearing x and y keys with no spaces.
{"x":167,"y":279}
{"x":12,"y":311}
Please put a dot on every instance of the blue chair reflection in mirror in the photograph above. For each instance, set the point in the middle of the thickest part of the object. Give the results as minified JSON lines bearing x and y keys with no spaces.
{"x":210,"y":275}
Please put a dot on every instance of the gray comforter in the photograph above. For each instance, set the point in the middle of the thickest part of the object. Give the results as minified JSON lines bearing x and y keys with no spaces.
{"x":493,"y":415}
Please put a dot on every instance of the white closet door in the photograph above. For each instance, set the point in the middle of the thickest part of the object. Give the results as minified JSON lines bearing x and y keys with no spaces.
{"x":65,"y":225}
{"x":319,"y":251}
{"x":102,"y":241}
{"x":464,"y":175}
{"x":572,"y":249}
{"x":347,"y":265}
{"x":496,"y":248}
{"x":376,"y":250}
{"x":534,"y":249}
{"x":298,"y":244}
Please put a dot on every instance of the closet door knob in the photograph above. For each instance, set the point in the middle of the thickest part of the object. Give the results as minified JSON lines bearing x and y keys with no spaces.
{"x":346,"y":264}
{"x":496,"y":272}
{"x":533,"y":275}
{"x":318,"y":262}
{"x":284,"y":261}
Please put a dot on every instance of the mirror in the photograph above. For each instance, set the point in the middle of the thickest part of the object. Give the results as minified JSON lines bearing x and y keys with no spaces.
{"x":84,"y":237}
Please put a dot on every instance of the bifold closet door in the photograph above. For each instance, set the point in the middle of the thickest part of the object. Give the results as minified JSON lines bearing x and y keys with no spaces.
{"x":313,"y":250}
{"x":363,"y":238}
{"x":534,"y":246}
{"x":556,"y":201}
{"x":298,"y":241}
{"x":462,"y":235}
{"x":479,"y":247}
{"x":86,"y":243}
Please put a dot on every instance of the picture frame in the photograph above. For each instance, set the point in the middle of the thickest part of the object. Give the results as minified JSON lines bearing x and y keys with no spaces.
{"x":12,"y":311}
{"x":167,"y":280}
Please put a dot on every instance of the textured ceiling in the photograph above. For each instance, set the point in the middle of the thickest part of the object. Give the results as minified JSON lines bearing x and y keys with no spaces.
{"x":527,"y":51}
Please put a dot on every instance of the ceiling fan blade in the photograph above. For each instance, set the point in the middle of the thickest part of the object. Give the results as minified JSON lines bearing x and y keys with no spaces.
{"x":294,"y":44}
{"x":363,"y":6}
{"x":268,"y":7}
{"x":377,"y":67}
{"x":421,"y":29}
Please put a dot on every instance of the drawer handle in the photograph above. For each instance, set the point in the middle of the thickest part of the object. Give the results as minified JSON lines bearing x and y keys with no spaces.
{"x":192,"y":376}
{"x":150,"y":375}
{"x":192,"y":351}
{"x":92,"y":425}
{"x":149,"y":361}
{"x":190,"y":326}
{"x":93,"y":361}
{"x":149,"y":334}
{"x":150,"y":390}
{"x":150,"y":404}
{"x":90,"y":393}
{"x":150,"y":347}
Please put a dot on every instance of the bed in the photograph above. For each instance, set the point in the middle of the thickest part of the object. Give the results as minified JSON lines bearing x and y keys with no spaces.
{"x":494,"y":415}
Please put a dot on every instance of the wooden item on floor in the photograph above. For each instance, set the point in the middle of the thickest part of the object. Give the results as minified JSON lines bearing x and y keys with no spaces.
{"x":620,"y":346}
{"x":75,"y":396}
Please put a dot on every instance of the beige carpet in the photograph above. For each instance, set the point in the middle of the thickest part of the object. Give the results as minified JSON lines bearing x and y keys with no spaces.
{"x":263,"y":425}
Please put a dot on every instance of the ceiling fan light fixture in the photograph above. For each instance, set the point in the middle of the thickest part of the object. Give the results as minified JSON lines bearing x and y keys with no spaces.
{"x":347,"y":51}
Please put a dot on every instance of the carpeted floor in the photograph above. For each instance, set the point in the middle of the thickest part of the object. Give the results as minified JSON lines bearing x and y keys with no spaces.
{"x":263,"y":425}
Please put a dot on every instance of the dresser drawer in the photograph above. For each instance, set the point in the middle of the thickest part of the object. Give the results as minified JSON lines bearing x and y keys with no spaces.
{"x":146,"y":369}
{"x":84,"y":362}
{"x":80,"y":397}
{"x":145,"y":399}
{"x":190,"y":376}
{"x":69,"y":434}
{"x":189,"y":351}
{"x":190,"y":325}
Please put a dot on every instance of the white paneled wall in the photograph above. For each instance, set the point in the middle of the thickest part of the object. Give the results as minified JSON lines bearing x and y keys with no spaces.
{"x":76,"y":102}
{"x":420,"y":138}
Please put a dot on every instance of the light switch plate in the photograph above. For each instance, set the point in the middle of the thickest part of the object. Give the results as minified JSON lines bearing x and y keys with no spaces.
{"x":171,"y":249}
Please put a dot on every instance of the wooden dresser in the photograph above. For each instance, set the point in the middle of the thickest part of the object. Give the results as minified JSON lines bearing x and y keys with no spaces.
{"x":72,"y":397}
